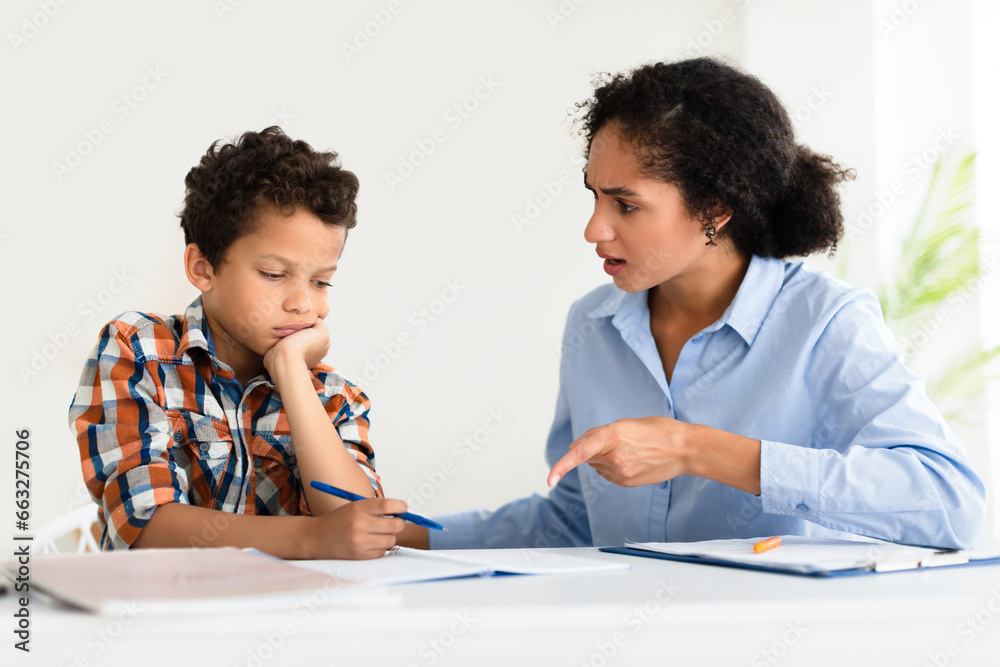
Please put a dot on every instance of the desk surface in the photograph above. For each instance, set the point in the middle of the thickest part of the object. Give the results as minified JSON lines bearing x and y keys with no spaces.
{"x":658,"y":612}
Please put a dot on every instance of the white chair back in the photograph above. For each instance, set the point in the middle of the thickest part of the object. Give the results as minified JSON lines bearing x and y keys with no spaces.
{"x":81,"y":519}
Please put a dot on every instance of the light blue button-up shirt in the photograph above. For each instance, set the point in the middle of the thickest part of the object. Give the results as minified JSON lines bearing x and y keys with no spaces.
{"x":850,"y":444}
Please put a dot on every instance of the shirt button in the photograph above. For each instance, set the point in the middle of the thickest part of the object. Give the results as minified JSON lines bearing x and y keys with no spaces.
{"x":802,"y":507}
{"x":256,"y":462}
{"x":203,"y":448}
{"x":177,"y":436}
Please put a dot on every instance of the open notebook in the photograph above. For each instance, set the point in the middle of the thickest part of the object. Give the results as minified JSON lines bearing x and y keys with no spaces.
{"x":184,"y":581}
{"x":808,"y":556}
{"x":402,"y":565}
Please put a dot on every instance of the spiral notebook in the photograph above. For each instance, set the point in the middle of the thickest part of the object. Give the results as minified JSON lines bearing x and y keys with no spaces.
{"x":402,"y":565}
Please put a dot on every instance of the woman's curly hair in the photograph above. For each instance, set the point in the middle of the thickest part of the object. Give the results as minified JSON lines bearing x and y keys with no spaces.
{"x":225,"y":191}
{"x":722,"y":137}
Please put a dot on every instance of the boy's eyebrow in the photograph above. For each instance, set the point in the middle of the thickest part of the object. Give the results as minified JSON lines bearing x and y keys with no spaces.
{"x":288,"y":262}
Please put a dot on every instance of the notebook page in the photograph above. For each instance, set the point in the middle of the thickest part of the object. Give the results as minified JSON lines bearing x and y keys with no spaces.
{"x":399,"y":566}
{"x":535,"y":561}
{"x":404,"y":565}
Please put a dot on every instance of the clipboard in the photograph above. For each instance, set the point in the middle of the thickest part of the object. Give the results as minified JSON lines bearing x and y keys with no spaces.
{"x":817,"y":558}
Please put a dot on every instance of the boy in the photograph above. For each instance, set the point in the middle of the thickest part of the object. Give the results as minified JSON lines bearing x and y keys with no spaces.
{"x":205,"y":429}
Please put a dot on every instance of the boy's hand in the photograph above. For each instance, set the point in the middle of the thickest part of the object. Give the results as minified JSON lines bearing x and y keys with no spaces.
{"x":358,"y":530}
{"x":414,"y":536}
{"x":310,"y":345}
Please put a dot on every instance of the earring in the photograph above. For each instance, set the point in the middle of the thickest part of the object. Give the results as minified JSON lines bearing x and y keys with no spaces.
{"x":710,"y":233}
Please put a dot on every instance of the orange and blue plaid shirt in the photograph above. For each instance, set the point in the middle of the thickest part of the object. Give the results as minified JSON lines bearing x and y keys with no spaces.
{"x":159,"y":418}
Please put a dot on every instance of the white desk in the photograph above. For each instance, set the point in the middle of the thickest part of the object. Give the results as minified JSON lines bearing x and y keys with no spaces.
{"x":659,"y":612}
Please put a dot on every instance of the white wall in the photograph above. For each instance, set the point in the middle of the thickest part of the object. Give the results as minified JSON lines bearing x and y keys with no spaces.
{"x":986,"y":69}
{"x":495,"y":347}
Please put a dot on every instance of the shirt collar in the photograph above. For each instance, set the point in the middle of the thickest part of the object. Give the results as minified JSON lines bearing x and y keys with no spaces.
{"x":745,"y":314}
{"x":198,"y":336}
{"x":196,"y":331}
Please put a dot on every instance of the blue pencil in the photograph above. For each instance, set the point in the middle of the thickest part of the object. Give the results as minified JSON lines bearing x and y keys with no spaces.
{"x":347,"y":495}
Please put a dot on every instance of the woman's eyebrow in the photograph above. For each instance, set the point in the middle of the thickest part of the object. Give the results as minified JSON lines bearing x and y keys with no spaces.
{"x":617,"y":191}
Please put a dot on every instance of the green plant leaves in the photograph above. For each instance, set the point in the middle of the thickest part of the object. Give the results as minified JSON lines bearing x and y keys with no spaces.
{"x":939,"y":266}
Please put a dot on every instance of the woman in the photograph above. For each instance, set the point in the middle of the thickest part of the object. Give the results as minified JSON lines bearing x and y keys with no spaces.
{"x":716,"y":390}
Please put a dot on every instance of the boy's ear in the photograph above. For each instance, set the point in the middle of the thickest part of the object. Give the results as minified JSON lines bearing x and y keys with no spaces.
{"x":199,"y":272}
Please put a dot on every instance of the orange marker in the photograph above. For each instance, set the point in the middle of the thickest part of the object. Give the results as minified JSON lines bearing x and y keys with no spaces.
{"x":767,"y":545}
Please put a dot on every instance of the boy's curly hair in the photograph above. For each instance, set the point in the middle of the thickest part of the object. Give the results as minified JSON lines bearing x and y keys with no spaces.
{"x":722,"y":137}
{"x":225,"y":191}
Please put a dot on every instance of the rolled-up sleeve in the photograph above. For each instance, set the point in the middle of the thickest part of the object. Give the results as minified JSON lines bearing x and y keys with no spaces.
{"x":348,"y":410}
{"x":123,"y":435}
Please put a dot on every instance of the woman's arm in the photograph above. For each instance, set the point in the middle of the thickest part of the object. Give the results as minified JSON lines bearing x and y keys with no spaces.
{"x":883,"y":462}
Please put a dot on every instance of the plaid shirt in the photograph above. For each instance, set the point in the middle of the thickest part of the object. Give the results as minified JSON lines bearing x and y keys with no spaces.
{"x":159,"y":418}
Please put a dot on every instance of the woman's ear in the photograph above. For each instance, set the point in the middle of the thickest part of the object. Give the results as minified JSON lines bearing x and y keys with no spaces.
{"x":721,"y":214}
{"x":199,"y":272}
